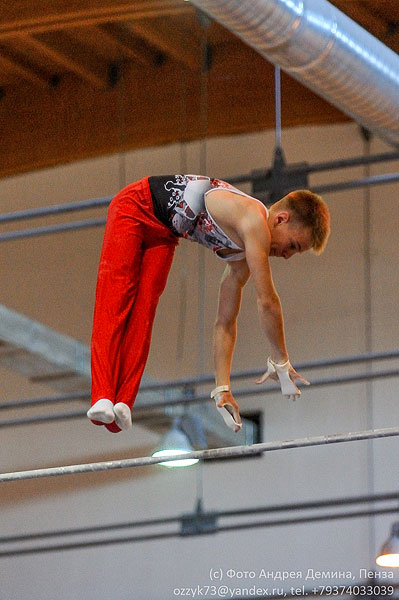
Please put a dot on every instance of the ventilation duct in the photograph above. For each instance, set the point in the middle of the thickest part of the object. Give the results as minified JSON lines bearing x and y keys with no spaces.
{"x":323,"y":49}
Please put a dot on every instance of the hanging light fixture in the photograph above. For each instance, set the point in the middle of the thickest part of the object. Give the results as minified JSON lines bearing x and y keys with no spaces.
{"x":389,"y":555}
{"x":175,"y":441}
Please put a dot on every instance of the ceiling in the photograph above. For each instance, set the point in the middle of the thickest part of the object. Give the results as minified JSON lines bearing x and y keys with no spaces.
{"x":82,"y":78}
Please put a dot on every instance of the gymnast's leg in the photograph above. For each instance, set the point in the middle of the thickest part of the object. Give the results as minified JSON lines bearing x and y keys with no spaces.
{"x":155,"y":266}
{"x":135,"y":261}
{"x":117,"y":284}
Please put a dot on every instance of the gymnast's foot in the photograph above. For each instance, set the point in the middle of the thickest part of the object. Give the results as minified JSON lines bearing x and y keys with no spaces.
{"x":102,"y":410}
{"x":123,"y":416}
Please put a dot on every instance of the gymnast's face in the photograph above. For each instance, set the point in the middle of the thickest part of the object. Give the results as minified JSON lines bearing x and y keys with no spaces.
{"x":288,"y":238}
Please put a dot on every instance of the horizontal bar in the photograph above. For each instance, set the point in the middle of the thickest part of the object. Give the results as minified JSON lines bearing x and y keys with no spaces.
{"x":71,"y":226}
{"x":356,"y":183}
{"x":317,"y":364}
{"x":280,"y":508}
{"x":174,"y":534}
{"x":40,"y":419}
{"x":90,"y":544}
{"x":44,"y":400}
{"x":314,"y":505}
{"x":260,"y":389}
{"x":325,"y":166}
{"x":140,"y":412}
{"x":204,"y":379}
{"x":55,"y":209}
{"x":352,"y":162}
{"x":309,"y":519}
{"x":61,"y":227}
{"x":104,"y":201}
{"x":214,"y":453}
{"x":45,"y":535}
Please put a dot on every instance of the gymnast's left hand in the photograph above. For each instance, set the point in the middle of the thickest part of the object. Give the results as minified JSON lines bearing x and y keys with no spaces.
{"x":226,"y":400}
{"x":286,"y":375}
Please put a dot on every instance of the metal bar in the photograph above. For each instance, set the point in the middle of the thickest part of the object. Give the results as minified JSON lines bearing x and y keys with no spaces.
{"x":330,"y":165}
{"x":44,"y":535}
{"x":277,"y":94}
{"x":101,"y":202}
{"x":204,"y":379}
{"x":91,"y":544}
{"x":74,"y":225}
{"x":352,"y":162}
{"x":40,"y":419}
{"x":214,"y":453}
{"x":140,"y":412}
{"x":175,"y":534}
{"x":318,"y":364}
{"x":356,"y":183}
{"x":61,"y":227}
{"x":332,"y":503}
{"x":315,"y":505}
{"x":55,"y":209}
{"x":44,"y":401}
{"x":310,"y":519}
{"x":345,"y":379}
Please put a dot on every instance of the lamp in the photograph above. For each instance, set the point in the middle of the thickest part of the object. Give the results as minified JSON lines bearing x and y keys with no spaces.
{"x":389,"y":555}
{"x":175,"y":441}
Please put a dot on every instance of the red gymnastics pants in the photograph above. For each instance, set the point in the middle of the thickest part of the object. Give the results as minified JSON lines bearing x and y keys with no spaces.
{"x":135,"y":261}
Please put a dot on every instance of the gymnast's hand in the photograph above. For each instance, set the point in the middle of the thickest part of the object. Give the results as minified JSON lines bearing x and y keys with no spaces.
{"x":286,"y":375}
{"x":227,"y":407}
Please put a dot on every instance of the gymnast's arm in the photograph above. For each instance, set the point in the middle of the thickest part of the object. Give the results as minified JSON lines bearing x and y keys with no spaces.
{"x":256,"y":237}
{"x":233,"y":280}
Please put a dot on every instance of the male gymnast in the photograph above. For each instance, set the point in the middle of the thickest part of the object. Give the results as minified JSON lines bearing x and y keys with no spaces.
{"x":144,"y":224}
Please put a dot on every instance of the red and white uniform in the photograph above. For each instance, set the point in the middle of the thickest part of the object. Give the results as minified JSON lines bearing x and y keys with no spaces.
{"x":180,"y":203}
{"x":145,"y":221}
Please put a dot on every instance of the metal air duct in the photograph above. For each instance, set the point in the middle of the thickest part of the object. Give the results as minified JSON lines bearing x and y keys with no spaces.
{"x":323,"y":49}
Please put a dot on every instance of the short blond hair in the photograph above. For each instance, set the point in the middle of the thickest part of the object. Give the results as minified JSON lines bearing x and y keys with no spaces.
{"x":310,"y":210}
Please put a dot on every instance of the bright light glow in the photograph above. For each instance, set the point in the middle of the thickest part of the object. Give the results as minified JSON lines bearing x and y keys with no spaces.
{"x":297,"y":7}
{"x":184,"y":462}
{"x":388,"y":560}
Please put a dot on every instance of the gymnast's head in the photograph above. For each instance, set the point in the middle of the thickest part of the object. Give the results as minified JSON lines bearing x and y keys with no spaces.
{"x":298,"y":222}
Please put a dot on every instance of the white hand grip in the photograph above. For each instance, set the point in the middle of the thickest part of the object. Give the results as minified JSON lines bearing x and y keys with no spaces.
{"x":288,"y":387}
{"x":228,"y":412}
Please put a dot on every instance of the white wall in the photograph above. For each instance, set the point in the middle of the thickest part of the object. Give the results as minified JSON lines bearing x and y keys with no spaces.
{"x":52,"y":279}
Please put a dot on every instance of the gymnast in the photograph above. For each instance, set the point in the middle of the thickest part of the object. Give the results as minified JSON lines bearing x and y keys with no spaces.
{"x":145,"y":221}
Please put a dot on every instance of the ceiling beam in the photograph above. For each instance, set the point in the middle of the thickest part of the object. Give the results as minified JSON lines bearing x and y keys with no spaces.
{"x":30,"y":16}
{"x":158,"y":109}
{"x":129,"y":44}
{"x":101,"y":42}
{"x":170,"y":40}
{"x":69,"y":54}
{"x":18,"y":66}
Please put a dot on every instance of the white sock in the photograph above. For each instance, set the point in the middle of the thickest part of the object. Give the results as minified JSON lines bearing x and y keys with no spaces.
{"x":102,"y":410}
{"x":123,"y":415}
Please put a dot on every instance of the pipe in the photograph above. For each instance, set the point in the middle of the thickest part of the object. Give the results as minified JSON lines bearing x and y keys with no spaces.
{"x":356,"y":183}
{"x":279,"y":508}
{"x":73,"y":225}
{"x":324,"y":50}
{"x":55,"y":209}
{"x":140,"y":412}
{"x":204,"y":379}
{"x":220,"y":529}
{"x":214,"y":453}
{"x":60,"y":228}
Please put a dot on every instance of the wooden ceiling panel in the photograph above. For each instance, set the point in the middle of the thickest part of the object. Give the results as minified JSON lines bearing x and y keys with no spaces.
{"x":22,"y":67}
{"x":180,"y":44}
{"x":30,"y":16}
{"x":67,"y":58}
